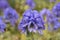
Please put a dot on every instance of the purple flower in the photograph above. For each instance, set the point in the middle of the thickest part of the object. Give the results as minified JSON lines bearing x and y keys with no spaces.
{"x":52,"y":0}
{"x":53,"y":22}
{"x":56,"y":10}
{"x":2,"y":25}
{"x":10,"y":15}
{"x":31,"y":3}
{"x":55,"y":26}
{"x":3,"y":4}
{"x":50,"y":19}
{"x":31,"y":21}
{"x":45,"y":13}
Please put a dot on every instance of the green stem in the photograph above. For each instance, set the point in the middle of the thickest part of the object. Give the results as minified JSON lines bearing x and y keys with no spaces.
{"x":32,"y":36}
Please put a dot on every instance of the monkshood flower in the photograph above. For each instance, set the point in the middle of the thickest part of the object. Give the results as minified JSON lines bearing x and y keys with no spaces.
{"x":31,"y":3}
{"x":45,"y":13}
{"x":51,"y":19}
{"x":39,"y":22}
{"x":2,"y":25}
{"x":3,"y":4}
{"x":31,"y":21}
{"x":10,"y":15}
{"x":53,"y":22}
{"x":56,"y":10}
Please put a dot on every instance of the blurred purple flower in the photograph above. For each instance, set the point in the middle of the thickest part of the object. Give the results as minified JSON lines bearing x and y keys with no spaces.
{"x":11,"y":15}
{"x":53,"y":22}
{"x":3,"y":4}
{"x":50,"y":19}
{"x":31,"y":21}
{"x":2,"y":25}
{"x":52,"y":0}
{"x":31,"y":3}
{"x":56,"y":10}
{"x":45,"y":13}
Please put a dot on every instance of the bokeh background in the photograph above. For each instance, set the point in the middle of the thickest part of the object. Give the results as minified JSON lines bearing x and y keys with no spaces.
{"x":12,"y":33}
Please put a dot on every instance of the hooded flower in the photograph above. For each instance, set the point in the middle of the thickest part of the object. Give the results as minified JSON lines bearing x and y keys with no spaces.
{"x":44,"y":13}
{"x":53,"y":22}
{"x":2,"y":25}
{"x":50,"y":19}
{"x":3,"y":4}
{"x":56,"y":10}
{"x":31,"y":3}
{"x":31,"y":21}
{"x":10,"y":15}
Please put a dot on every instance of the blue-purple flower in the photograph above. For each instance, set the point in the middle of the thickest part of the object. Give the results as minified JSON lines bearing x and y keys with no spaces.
{"x":31,"y":3}
{"x":45,"y":13}
{"x":56,"y":10}
{"x":31,"y":21}
{"x":53,"y":22}
{"x":3,"y":4}
{"x":10,"y":15}
{"x":56,"y":13}
{"x":2,"y":25}
{"x":50,"y":19}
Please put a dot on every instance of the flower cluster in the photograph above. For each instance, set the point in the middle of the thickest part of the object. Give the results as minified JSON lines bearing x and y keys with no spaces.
{"x":10,"y":15}
{"x":56,"y":13}
{"x":31,"y":21}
